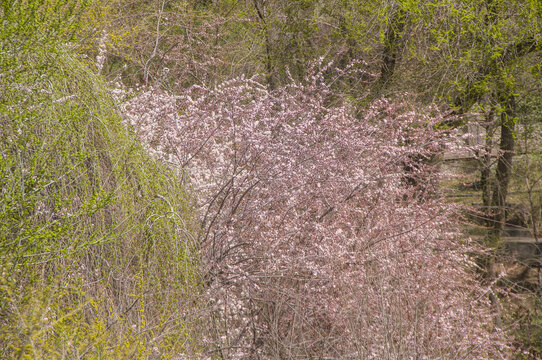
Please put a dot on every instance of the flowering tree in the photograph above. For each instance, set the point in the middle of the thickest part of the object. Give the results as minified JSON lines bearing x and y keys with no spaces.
{"x":322,"y":234}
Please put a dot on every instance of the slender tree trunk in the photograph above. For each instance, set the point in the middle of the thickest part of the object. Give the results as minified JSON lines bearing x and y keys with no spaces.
{"x":504,"y":164}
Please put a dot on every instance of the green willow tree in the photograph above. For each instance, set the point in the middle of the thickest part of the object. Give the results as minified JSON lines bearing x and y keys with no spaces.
{"x":96,"y":257}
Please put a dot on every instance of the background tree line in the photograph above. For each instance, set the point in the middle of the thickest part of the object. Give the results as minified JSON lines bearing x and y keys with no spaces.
{"x":478,"y":57}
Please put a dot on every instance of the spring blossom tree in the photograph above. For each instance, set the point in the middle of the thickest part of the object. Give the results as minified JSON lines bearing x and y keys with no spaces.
{"x":322,"y":231}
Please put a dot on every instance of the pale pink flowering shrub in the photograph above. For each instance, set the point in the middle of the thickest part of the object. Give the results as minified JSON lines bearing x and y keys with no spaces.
{"x":322,"y":234}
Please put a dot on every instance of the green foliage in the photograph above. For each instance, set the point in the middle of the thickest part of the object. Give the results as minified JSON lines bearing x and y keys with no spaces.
{"x":528,"y":330}
{"x":27,"y":24}
{"x":88,"y":221}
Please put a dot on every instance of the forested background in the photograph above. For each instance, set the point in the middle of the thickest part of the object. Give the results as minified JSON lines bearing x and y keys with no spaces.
{"x":270,"y":179}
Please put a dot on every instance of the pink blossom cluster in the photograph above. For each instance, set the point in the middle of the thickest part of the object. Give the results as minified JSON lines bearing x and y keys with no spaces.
{"x":322,"y":232}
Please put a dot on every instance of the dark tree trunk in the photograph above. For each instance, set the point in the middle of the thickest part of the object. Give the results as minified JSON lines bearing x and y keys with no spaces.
{"x":504,"y":164}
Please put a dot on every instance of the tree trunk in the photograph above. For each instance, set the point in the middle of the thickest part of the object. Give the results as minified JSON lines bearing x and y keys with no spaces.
{"x":504,"y":164}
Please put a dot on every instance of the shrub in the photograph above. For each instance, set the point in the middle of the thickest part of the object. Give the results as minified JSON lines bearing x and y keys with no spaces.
{"x":322,"y":232}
